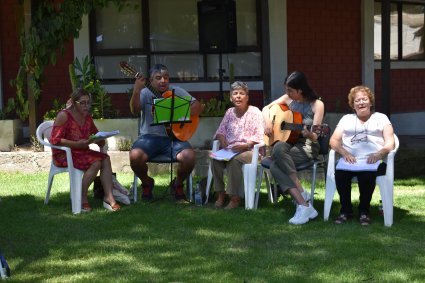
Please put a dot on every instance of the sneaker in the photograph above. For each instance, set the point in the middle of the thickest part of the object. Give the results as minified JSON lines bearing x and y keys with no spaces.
{"x":297,"y":211}
{"x":306,"y":196}
{"x":303,"y":214}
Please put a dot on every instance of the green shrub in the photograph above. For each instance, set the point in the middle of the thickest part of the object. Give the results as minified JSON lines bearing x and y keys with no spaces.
{"x":216,"y":107}
{"x":124,"y":144}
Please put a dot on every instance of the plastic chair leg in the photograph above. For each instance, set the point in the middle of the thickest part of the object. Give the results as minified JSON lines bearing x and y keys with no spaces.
{"x":189,"y":186}
{"x":313,"y":182}
{"x":260,"y":179}
{"x":49,"y":187}
{"x":387,"y":196}
{"x":76,"y":190}
{"x":249,"y":174}
{"x":135,"y":184}
{"x":209,"y":183}
{"x":329,"y":196}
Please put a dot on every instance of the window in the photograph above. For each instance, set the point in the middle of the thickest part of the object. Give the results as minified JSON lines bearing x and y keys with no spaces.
{"x":407,"y":31}
{"x":146,"y":33}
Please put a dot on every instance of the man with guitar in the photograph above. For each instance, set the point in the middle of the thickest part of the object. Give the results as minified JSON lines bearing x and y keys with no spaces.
{"x":300,"y":105}
{"x":155,"y":140}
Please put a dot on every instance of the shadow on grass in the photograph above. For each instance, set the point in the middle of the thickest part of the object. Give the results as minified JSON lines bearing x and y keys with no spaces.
{"x":163,"y":241}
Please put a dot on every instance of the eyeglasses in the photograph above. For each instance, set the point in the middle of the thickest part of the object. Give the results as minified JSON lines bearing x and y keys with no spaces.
{"x":362,"y":99}
{"x":83,"y":103}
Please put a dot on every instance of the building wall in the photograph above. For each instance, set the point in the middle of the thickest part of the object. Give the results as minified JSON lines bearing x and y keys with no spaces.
{"x":57,"y":84}
{"x":10,"y":16}
{"x":407,"y":90}
{"x":324,"y":42}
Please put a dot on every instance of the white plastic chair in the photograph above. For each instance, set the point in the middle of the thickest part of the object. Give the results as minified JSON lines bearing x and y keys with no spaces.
{"x":385,"y":183}
{"x":43,"y":133}
{"x":249,"y":175}
{"x":310,"y":165}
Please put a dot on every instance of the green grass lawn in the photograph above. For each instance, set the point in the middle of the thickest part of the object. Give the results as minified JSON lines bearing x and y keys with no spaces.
{"x":167,"y":242}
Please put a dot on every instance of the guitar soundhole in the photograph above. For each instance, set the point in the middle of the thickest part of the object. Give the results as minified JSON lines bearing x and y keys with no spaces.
{"x":282,"y":126}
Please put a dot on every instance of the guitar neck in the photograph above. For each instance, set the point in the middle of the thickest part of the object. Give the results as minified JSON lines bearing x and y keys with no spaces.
{"x":292,"y":126}
{"x":130,"y":71}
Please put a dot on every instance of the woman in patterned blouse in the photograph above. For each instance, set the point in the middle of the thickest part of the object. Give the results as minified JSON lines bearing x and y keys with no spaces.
{"x":241,"y":128}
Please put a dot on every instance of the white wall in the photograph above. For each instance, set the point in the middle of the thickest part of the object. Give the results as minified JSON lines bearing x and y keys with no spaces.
{"x":278,"y":46}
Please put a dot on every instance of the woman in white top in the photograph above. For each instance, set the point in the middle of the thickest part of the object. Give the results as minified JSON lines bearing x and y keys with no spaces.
{"x":363,"y":134}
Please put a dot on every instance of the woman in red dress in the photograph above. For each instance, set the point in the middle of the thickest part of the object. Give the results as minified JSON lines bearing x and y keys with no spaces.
{"x":72,"y":128}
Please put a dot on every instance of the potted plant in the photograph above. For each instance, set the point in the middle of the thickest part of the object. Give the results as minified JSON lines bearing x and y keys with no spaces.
{"x":10,"y":128}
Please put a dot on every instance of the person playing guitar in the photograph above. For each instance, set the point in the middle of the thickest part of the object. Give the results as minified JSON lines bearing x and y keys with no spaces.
{"x":154,"y":140}
{"x":299,"y":103}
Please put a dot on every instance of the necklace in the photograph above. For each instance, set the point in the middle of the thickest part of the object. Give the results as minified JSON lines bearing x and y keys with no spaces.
{"x":361,"y":136}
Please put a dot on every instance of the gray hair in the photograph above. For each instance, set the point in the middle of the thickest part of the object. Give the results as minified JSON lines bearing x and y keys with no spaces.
{"x":157,"y":68}
{"x":239,"y":85}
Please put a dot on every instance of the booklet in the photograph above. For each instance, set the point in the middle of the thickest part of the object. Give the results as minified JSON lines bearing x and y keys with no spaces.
{"x":103,"y":135}
{"x":224,"y":154}
{"x":360,"y":165}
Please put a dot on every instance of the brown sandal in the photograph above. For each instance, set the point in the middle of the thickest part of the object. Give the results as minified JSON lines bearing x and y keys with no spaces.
{"x":342,"y":218}
{"x":364,"y":220}
{"x":220,"y":199}
{"x":234,"y":203}
{"x":85,"y":207}
{"x":111,"y":207}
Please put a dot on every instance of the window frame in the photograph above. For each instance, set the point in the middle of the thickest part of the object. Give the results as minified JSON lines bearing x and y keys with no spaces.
{"x":146,"y":50}
{"x":399,"y":4}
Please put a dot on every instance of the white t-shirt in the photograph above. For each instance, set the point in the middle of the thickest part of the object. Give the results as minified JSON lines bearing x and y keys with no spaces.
{"x":362,"y":139}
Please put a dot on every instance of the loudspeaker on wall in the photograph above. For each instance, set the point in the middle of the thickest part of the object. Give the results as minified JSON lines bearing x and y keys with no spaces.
{"x":217,"y":26}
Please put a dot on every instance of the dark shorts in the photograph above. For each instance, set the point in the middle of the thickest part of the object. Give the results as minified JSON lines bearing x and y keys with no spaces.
{"x":154,"y":145}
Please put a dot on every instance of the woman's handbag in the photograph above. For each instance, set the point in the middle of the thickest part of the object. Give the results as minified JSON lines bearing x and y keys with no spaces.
{"x":120,"y":193}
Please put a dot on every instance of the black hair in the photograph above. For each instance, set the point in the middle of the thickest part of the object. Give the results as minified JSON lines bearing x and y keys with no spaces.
{"x":297,"y":80}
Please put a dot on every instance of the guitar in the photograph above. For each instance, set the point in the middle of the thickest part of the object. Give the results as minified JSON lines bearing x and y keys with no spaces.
{"x":182,"y":131}
{"x":287,"y":125}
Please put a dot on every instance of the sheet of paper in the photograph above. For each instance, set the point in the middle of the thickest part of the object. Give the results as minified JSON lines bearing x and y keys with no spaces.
{"x":224,"y":154}
{"x":104,"y":135}
{"x":360,"y":165}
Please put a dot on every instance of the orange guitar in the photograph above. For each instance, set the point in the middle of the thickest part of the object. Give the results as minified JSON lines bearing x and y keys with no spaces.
{"x":287,"y":125}
{"x":182,"y":131}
